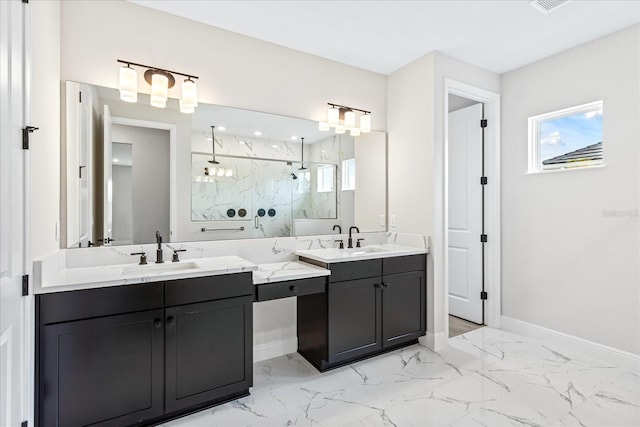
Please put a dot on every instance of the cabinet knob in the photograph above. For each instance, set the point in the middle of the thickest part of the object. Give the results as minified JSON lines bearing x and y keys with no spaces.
{"x":157,"y":323}
{"x":170,"y":320}
{"x":385,"y":285}
{"x":377,"y":285}
{"x":293,"y":289}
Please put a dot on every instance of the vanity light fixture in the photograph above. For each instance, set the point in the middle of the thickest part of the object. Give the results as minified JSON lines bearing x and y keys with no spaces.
{"x":343,"y":118}
{"x":161,"y":81}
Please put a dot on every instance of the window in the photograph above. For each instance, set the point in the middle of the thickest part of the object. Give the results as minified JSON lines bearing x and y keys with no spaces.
{"x":348,"y":174}
{"x":566,"y":139}
{"x":325,"y":178}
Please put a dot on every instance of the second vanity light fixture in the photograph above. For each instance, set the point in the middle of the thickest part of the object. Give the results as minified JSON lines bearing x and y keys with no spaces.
{"x":160,"y":80}
{"x":343,"y":119}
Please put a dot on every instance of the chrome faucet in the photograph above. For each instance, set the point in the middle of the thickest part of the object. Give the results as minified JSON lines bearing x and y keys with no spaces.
{"x":350,"y":244}
{"x":159,"y":250}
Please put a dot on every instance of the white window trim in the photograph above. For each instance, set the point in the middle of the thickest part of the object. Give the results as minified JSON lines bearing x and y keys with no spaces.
{"x":535,"y":164}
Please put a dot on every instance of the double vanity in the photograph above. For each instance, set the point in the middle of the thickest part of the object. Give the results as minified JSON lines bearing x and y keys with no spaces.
{"x":128,"y":344}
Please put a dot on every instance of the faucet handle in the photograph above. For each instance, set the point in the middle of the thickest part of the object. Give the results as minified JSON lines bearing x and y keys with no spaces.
{"x":341,"y":243}
{"x":358,"y":242}
{"x":175,"y":254}
{"x":143,"y":257}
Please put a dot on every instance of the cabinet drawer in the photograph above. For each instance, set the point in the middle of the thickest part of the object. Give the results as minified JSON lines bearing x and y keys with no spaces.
{"x":198,"y":289}
{"x":403,"y":264}
{"x":351,"y":270}
{"x":290,"y":288}
{"x":84,"y":304}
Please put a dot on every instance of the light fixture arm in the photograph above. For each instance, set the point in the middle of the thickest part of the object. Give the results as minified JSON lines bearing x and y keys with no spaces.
{"x":344,"y":107}
{"x":129,"y":63}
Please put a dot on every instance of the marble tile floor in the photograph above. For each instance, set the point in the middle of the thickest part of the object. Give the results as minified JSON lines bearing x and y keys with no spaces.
{"x":487,"y":377}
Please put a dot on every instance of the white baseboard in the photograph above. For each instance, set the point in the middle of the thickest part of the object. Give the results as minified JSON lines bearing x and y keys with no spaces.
{"x":274,"y":349}
{"x":434,"y":341}
{"x":592,"y":349}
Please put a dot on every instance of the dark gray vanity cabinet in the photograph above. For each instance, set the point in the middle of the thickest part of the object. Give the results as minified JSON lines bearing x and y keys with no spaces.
{"x":140,"y":354}
{"x":100,"y":356}
{"x":371,"y":306}
{"x":209,"y":341}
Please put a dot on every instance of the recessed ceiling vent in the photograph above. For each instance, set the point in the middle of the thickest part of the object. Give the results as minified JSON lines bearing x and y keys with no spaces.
{"x":547,"y":6}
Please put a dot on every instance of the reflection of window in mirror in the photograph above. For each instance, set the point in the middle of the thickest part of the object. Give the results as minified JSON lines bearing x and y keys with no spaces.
{"x":348,"y":174}
{"x":325,"y":178}
{"x":303,"y":182}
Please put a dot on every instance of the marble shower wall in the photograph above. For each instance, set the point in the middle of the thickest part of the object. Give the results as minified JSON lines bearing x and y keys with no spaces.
{"x":253,"y":185}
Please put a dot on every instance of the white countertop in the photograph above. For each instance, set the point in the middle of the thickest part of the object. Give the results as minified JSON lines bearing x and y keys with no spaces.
{"x":282,"y":271}
{"x":333,"y":255}
{"x":72,"y":279}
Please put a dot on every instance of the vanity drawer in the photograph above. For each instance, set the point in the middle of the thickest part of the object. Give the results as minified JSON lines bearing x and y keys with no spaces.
{"x":75,"y":305}
{"x":199,"y":289}
{"x":403,"y":264}
{"x":290,"y":288}
{"x":351,"y":270}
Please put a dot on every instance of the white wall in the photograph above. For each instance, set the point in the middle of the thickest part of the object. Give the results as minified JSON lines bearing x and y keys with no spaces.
{"x":416,"y":118}
{"x":45,"y":114}
{"x":570,"y":243}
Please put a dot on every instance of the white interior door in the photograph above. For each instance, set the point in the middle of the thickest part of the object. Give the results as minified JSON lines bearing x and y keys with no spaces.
{"x":13,"y":306}
{"x":465,"y":214}
{"x":107,"y":233}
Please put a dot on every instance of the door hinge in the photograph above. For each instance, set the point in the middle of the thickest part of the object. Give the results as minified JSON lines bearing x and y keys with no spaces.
{"x":24,"y":423}
{"x":25,"y":136}
{"x":25,"y":285}
{"x":483,"y":180}
{"x":483,"y":238}
{"x":483,"y":123}
{"x":80,"y":96}
{"x":483,"y":295}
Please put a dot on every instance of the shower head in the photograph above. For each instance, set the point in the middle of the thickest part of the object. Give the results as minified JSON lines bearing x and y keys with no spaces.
{"x":293,"y":175}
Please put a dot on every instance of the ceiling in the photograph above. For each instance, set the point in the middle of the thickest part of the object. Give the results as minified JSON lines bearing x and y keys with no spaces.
{"x":383,"y":36}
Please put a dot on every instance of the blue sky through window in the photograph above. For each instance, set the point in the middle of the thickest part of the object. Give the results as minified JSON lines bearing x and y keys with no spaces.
{"x":566,"y":134}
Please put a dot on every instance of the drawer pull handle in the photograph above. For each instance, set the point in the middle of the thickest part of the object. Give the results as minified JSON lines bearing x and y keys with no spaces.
{"x":170,"y":320}
{"x":157,"y":323}
{"x":293,"y":289}
{"x":377,"y":285}
{"x":386,"y":285}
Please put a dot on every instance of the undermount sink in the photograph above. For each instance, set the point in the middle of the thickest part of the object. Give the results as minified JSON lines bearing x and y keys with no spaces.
{"x":362,"y":251}
{"x":160,"y":268}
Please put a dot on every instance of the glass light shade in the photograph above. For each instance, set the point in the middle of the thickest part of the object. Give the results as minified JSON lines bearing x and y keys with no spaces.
{"x":365,"y":123}
{"x":159,"y":90}
{"x":189,"y":94}
{"x":158,"y":101}
{"x":228,"y":172}
{"x":333,"y":116}
{"x":323,"y":126}
{"x":187,"y":109}
{"x":355,"y":132}
{"x":221,"y":172}
{"x":350,"y":119}
{"x":340,"y":129}
{"x":128,"y":84}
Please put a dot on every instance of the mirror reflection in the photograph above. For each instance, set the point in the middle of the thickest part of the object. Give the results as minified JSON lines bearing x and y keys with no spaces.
{"x":133,"y":169}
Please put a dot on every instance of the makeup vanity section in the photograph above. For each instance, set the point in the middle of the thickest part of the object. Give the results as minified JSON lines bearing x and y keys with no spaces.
{"x":128,"y":344}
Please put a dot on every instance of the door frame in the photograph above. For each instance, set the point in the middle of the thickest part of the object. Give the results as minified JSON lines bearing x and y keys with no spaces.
{"x":491,"y":101}
{"x":173,"y":186}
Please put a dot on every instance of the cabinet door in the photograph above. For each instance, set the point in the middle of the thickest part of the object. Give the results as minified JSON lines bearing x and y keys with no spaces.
{"x":403,"y":307}
{"x":354,"y":318}
{"x":209,"y":351}
{"x":106,"y":371}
